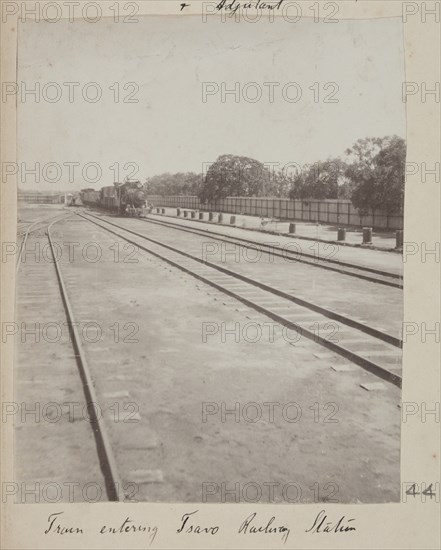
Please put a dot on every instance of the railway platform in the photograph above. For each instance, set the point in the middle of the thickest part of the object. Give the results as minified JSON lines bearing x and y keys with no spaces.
{"x":381,"y":240}
{"x":363,"y":256}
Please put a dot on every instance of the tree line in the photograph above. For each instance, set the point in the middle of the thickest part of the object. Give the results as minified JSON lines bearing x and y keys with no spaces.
{"x":371,"y":175}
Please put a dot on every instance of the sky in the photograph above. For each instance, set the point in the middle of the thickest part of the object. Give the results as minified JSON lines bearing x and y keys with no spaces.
{"x":170,"y":128}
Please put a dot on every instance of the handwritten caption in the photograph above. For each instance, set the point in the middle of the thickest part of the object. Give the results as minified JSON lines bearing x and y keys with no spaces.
{"x":191,"y":524}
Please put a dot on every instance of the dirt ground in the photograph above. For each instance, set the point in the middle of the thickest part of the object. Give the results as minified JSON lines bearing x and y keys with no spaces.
{"x":200,"y":383}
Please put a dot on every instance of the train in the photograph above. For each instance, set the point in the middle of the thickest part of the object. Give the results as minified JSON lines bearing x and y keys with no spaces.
{"x":127,"y":198}
{"x":72,"y":199}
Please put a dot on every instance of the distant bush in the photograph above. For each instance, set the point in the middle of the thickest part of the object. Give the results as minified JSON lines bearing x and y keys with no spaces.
{"x":182,"y":183}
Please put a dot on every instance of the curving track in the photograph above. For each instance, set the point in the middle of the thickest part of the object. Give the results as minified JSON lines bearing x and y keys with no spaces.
{"x":24,"y":229}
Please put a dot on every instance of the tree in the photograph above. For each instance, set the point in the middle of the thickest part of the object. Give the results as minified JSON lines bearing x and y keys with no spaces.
{"x":233,"y":175}
{"x":321,"y":180}
{"x":182,"y":183}
{"x":280,"y":184}
{"x":377,"y":174}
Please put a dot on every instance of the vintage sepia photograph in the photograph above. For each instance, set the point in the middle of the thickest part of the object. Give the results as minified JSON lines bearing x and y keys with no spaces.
{"x":209,"y":260}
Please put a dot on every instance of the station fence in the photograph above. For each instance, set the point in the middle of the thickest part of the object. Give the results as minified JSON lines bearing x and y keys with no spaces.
{"x":334,"y":212}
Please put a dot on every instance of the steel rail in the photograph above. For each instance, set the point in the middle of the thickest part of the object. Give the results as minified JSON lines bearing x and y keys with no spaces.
{"x":105,"y":453}
{"x":397,"y":342}
{"x":278,"y":251}
{"x":366,"y":364}
{"x":26,"y":234}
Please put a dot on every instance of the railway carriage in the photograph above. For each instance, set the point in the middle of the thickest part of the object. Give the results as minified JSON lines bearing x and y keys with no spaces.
{"x":72,"y":199}
{"x":90,"y":197}
{"x":109,"y":198}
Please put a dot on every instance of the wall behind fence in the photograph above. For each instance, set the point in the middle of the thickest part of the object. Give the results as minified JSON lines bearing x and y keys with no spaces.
{"x":338,"y":212}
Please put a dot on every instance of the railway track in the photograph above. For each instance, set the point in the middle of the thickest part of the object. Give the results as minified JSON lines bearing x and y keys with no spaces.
{"x":367,"y":347}
{"x":25,"y":229}
{"x":361,"y":272}
{"x":42,"y":291}
{"x":105,"y":452}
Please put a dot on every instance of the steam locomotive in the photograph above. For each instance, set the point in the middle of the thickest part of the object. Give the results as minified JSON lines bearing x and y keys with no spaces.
{"x":128,"y":198}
